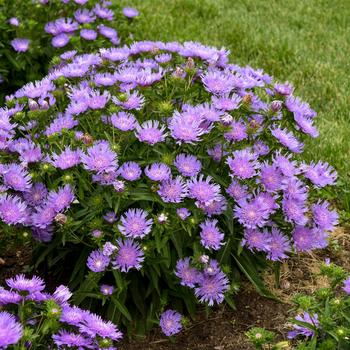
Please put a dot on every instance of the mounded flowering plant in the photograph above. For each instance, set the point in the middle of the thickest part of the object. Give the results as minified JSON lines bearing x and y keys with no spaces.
{"x":34,"y":32}
{"x":158,"y":171}
{"x":31,"y":318}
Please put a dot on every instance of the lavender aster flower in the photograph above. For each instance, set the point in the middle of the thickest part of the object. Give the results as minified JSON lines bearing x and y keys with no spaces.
{"x":94,"y":326}
{"x":130,"y":12}
{"x":270,"y":177}
{"x":243,"y":164}
{"x":287,"y":139}
{"x":294,"y":211}
{"x":150,"y":132}
{"x":211,"y":236}
{"x":279,"y":245}
{"x":100,"y":158}
{"x":218,"y":83}
{"x":203,"y":190}
{"x":23,"y":284}
{"x":134,"y":223}
{"x":188,"y":275}
{"x":256,"y":239}
{"x":170,"y":322}
{"x":238,"y":131}
{"x":173,"y":190}
{"x":183,"y":213}
{"x":124,"y":121}
{"x":250,"y":214}
{"x":88,"y":34}
{"x":20,"y":44}
{"x":60,"y":200}
{"x":158,"y":172}
{"x":66,"y":159}
{"x":237,"y":191}
{"x":130,"y":255}
{"x":187,"y":164}
{"x":9,"y":297}
{"x":346,"y":287}
{"x":64,"y":338}
{"x":11,"y":330}
{"x":320,"y":174}
{"x":12,"y":210}
{"x":60,"y":40}
{"x":16,"y":177}
{"x":303,"y":238}
{"x":301,"y":330}
{"x":106,"y":289}
{"x":72,"y":315}
{"x":130,"y":171}
{"x":211,"y":288}
{"x":324,"y":218}
{"x":97,"y":261}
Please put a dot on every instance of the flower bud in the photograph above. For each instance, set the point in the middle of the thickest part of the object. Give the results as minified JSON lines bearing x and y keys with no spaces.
{"x":61,"y":219}
{"x":162,"y":218}
{"x":87,"y":139}
{"x":247,"y":99}
{"x":33,"y":105}
{"x":204,"y":259}
{"x":276,"y":106}
{"x":119,"y":185}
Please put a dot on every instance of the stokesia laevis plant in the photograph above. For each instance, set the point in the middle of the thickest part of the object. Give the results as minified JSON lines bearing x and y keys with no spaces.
{"x":36,"y":31}
{"x":162,"y":169}
{"x":35,"y":319}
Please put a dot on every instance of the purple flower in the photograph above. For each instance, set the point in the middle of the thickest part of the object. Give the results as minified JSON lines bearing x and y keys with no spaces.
{"x":98,"y":100}
{"x":306,"y":125}
{"x":60,"y":123}
{"x":88,"y":34}
{"x":304,"y":331}
{"x":23,"y":284}
{"x":62,"y":294}
{"x":183,"y":213}
{"x":106,"y":289}
{"x":105,"y":79}
{"x":110,"y":217}
{"x":43,"y":217}
{"x":134,"y":223}
{"x":270,"y":177}
{"x":293,"y":188}
{"x":203,"y":190}
{"x":100,"y":158}
{"x":287,"y":167}
{"x":16,"y":177}
{"x":66,"y":159}
{"x":158,"y":172}
{"x":150,"y":132}
{"x":238,"y":131}
{"x":287,"y":139}
{"x":84,"y":16}
{"x":187,"y":164}
{"x":303,"y":238}
{"x":103,"y":12}
{"x":237,"y":191}
{"x":243,"y":164}
{"x":130,"y":255}
{"x":133,"y":101}
{"x":61,"y":199}
{"x":279,"y":245}
{"x":296,"y":106}
{"x":12,"y":210}
{"x":218,"y":82}
{"x":170,"y":322}
{"x":97,"y":261}
{"x":124,"y":121}
{"x":216,"y":153}
{"x":320,"y":174}
{"x":188,"y":275}
{"x":346,"y":287}
{"x":284,"y":89}
{"x":60,"y":40}
{"x":108,"y":249}
{"x":20,"y":44}
{"x":226,"y":102}
{"x":250,"y":214}
{"x":211,"y":236}
{"x":130,"y":12}
{"x":65,"y":338}
{"x":215,"y":207}
{"x":14,"y":21}
{"x":173,"y":190}
{"x":211,"y":288}
{"x":256,"y":239}
{"x":294,"y":211}
{"x":72,"y":315}
{"x":9,"y":297}
{"x":324,"y":218}
{"x":130,"y":171}
{"x":11,"y":330}
{"x":94,"y":326}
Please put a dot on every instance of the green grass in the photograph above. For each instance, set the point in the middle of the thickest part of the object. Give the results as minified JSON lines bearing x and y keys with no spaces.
{"x":305,"y":42}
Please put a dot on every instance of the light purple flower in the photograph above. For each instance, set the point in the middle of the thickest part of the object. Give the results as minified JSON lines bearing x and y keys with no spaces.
{"x":11,"y":330}
{"x":243,"y":164}
{"x":211,"y":236}
{"x":173,"y":190}
{"x":158,"y":172}
{"x":130,"y":171}
{"x":12,"y":210}
{"x":97,"y":261}
{"x":129,"y":256}
{"x":61,"y":199}
{"x":203,"y":190}
{"x":22,"y":284}
{"x":320,"y":174}
{"x":16,"y":177}
{"x":287,"y":139}
{"x":170,"y":322}
{"x":130,"y":12}
{"x":324,"y":218}
{"x":150,"y":132}
{"x":134,"y":223}
{"x":20,"y":44}
{"x":304,"y":331}
{"x":68,"y":158}
{"x":279,"y":245}
{"x":188,"y":275}
{"x":187,"y":164}
{"x":346,"y":287}
{"x":124,"y":121}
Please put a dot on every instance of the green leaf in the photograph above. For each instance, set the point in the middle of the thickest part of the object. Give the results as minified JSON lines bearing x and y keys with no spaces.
{"x":121,"y":308}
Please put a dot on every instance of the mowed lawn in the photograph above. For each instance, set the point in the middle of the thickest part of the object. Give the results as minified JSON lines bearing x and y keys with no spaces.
{"x":306,"y":42}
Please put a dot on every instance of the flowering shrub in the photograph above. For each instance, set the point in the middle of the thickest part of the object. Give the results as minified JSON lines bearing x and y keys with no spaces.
{"x":36,"y":319}
{"x":323,"y":320}
{"x":33,"y":32}
{"x":158,"y":165}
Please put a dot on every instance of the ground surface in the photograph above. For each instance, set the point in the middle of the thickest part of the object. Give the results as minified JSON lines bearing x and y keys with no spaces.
{"x":304,"y":42}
